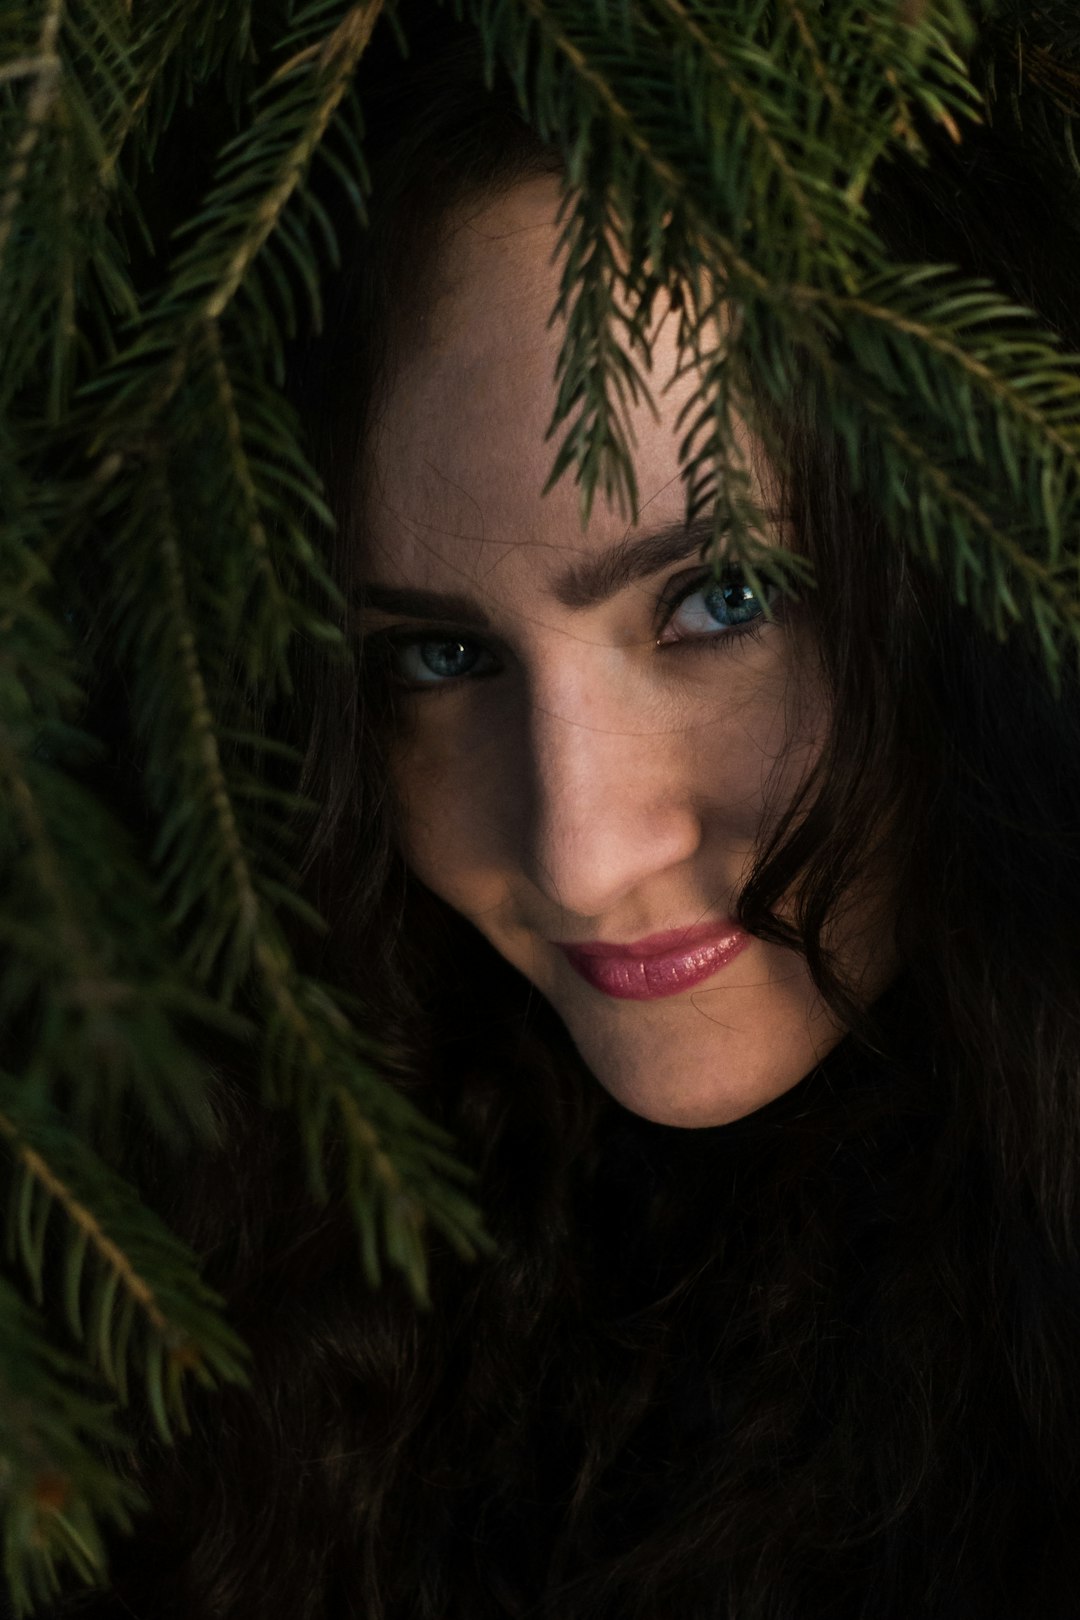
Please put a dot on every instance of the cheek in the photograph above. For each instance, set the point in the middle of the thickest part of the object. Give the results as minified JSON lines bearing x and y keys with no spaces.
{"x":750,"y":751}
{"x":445,"y":788}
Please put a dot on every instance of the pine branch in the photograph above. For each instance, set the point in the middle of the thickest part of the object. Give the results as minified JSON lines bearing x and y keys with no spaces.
{"x":132,"y":1292}
{"x":44,"y":89}
{"x":102,"y":1025}
{"x":219,"y":827}
{"x":173,"y":50}
{"x":333,"y":62}
{"x":949,"y":514}
{"x":57,"y":1488}
{"x":708,"y":54}
{"x":265,"y":609}
{"x":260,"y":177}
{"x":736,"y":207}
{"x":399,"y":1170}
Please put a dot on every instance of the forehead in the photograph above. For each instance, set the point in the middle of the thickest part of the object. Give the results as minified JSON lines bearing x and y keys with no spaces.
{"x":459,"y":453}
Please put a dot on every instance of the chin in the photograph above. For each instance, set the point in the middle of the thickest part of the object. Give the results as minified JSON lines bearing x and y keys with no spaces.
{"x":692,"y":1108}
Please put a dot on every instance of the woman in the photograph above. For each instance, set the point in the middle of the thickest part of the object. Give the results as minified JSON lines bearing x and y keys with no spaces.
{"x":784,"y":1316}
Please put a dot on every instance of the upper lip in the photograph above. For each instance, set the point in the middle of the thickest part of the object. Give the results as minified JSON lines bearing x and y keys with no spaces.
{"x":672,"y":939}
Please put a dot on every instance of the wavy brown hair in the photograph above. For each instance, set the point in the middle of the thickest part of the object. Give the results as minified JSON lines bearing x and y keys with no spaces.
{"x":821,"y":1361}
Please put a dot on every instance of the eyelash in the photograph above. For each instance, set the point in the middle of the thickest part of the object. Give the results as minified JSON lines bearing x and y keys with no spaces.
{"x":385,"y":643}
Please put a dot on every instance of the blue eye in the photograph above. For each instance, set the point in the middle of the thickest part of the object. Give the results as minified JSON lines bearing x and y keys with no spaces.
{"x":448,"y":659}
{"x":430,"y":661}
{"x":729,"y":604}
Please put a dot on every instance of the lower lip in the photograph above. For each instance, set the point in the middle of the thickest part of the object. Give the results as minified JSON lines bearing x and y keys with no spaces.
{"x":648,"y":978}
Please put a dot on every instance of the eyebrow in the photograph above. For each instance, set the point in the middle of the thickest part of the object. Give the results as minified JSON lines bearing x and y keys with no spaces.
{"x":581,"y":586}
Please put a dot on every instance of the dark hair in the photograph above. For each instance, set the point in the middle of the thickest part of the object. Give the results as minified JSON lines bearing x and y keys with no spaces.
{"x":820,"y":1361}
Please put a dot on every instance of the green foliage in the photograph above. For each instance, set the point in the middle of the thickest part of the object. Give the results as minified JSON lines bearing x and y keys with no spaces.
{"x":54,"y":1439}
{"x":160,"y":518}
{"x":131,"y":1290}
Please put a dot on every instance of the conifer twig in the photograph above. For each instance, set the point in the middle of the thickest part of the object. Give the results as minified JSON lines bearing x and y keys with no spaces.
{"x":39,"y":104}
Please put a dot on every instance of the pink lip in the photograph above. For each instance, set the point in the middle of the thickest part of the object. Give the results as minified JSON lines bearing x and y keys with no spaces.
{"x":647,"y":974}
{"x":673,"y":939}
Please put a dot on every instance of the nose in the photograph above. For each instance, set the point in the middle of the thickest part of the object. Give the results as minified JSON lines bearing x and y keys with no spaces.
{"x":611,"y":801}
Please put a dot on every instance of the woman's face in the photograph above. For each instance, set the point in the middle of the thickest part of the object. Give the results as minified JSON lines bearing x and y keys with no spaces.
{"x":585,"y":746}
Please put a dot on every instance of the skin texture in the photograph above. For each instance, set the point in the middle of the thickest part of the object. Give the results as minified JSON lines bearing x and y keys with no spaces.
{"x":609,"y":780}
